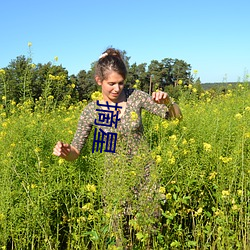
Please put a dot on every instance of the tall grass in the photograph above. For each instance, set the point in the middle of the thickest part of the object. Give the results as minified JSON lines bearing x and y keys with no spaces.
{"x":202,"y":164}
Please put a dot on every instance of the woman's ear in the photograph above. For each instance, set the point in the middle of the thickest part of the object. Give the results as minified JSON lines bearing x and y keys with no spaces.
{"x":98,"y":80}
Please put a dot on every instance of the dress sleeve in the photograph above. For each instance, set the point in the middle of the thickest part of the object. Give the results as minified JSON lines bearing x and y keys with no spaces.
{"x":84,"y":127}
{"x":151,"y":106}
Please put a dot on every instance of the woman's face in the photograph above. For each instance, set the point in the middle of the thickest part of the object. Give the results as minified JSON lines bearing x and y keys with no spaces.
{"x":112,"y":86}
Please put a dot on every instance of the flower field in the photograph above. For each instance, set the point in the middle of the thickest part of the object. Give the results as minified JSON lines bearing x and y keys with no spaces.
{"x":202,"y":164}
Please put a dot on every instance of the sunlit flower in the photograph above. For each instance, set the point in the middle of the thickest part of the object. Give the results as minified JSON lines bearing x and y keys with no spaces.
{"x":2,"y":72}
{"x":29,"y":44}
{"x":199,"y":211}
{"x":194,"y":90}
{"x":195,"y":71}
{"x":239,"y":192}
{"x":133,"y":116}
{"x":225,"y":193}
{"x":56,"y":58}
{"x":162,"y":190}
{"x":173,"y":137}
{"x":3,"y":97}
{"x":235,"y":207}
{"x":135,"y":86}
{"x":97,"y":95}
{"x":180,"y":82}
{"x":168,"y":196}
{"x":207,"y":147}
{"x":225,"y":159}
{"x":158,"y":159}
{"x":87,"y":207}
{"x":247,"y":108}
{"x":164,"y":124}
{"x":72,"y":85}
{"x":212,"y":175}
{"x":238,"y":116}
{"x":91,"y":188}
{"x":171,"y":160}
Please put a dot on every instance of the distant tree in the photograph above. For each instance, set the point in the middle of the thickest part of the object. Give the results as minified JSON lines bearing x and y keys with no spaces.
{"x":18,"y":79}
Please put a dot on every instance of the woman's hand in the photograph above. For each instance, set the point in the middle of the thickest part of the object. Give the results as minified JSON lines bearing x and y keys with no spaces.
{"x":161,"y":97}
{"x":65,"y":151}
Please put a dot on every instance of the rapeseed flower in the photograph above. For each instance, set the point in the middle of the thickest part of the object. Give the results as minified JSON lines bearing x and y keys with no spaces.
{"x":225,"y":193}
{"x":162,"y":190}
{"x":133,"y":116}
{"x":207,"y":147}
{"x":56,"y":58}
{"x":225,"y":159}
{"x":29,"y":44}
{"x":212,"y":175}
{"x":91,"y":188}
{"x":238,"y":116}
{"x":164,"y":124}
{"x":168,"y":196}
{"x":96,"y":96}
{"x":2,"y":72}
{"x":158,"y":159}
{"x":180,"y":82}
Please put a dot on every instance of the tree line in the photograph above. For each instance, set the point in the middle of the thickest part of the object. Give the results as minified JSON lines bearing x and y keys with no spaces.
{"x":22,"y":79}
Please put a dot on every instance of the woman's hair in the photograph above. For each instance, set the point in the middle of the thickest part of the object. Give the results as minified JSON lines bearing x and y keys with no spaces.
{"x":110,"y":60}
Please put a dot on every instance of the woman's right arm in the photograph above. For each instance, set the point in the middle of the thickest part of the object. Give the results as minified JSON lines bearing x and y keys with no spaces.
{"x":66,"y":151}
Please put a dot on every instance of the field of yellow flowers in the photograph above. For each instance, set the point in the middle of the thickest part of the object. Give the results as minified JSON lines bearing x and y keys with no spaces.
{"x":202,"y":164}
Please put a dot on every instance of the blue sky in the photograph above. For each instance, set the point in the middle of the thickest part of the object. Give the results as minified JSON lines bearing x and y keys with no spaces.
{"x":212,"y":36}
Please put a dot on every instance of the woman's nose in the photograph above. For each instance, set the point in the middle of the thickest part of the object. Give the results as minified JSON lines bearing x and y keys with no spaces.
{"x":116,"y":87}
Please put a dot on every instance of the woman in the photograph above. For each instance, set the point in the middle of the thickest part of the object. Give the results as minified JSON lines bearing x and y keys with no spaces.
{"x":118,"y":116}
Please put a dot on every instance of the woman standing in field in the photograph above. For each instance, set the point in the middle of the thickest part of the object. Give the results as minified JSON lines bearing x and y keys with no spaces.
{"x":117,"y":117}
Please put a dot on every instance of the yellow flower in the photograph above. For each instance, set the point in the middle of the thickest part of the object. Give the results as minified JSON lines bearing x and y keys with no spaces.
{"x":238,"y":116}
{"x":168,"y":196}
{"x":164,"y":124}
{"x":173,"y":137}
{"x":225,"y":159}
{"x":158,"y":159}
{"x":180,"y":82}
{"x":137,"y":81}
{"x":73,"y":85}
{"x":97,"y":95}
{"x":87,"y":207}
{"x":246,"y":108}
{"x":225,"y":193}
{"x":162,"y":190}
{"x":194,"y":90}
{"x":2,"y":72}
{"x":198,"y":212}
{"x":235,"y":207}
{"x":171,"y":160}
{"x":195,"y":71}
{"x":91,"y":188}
{"x":56,"y":58}
{"x":133,"y":116}
{"x":190,"y":86}
{"x":3,"y":97}
{"x":212,"y":175}
{"x":29,"y":44}
{"x":135,"y":86}
{"x":207,"y":147}
{"x":239,"y":192}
